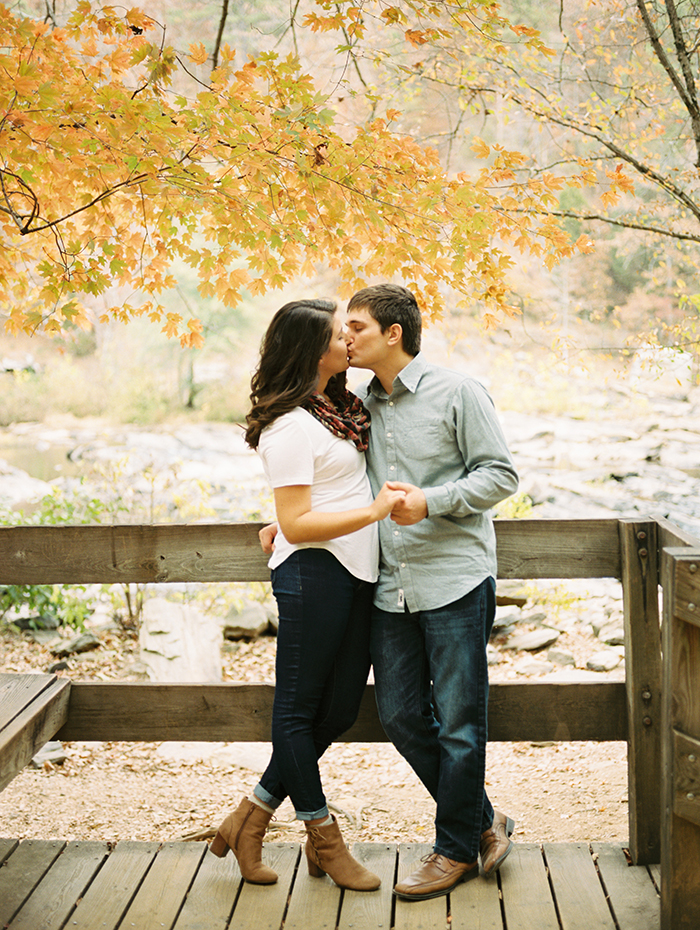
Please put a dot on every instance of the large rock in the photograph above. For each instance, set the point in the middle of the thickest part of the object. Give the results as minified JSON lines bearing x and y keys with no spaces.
{"x":249,"y":623}
{"x":179,"y":643}
{"x":84,"y":642}
{"x":534,"y":640}
{"x":604,"y":661}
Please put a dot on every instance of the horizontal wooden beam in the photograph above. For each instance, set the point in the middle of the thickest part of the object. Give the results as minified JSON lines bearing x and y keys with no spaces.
{"x":224,"y":552}
{"x":670,"y":535}
{"x":529,"y":549}
{"x":230,"y":712}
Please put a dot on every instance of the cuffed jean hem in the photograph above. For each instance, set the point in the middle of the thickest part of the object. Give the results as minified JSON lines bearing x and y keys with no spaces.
{"x":312,"y":815}
{"x":262,"y":795}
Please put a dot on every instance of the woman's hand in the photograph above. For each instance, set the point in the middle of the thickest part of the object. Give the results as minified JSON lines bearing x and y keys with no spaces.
{"x":267,"y":538}
{"x":386,"y":500}
{"x":413,"y":508}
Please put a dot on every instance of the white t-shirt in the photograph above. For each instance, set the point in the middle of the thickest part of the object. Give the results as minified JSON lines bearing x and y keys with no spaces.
{"x":298,"y":450}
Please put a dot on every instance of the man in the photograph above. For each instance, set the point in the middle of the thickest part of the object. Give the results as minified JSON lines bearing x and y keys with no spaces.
{"x":435,"y":435}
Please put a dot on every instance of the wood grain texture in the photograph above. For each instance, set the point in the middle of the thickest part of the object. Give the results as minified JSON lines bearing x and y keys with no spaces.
{"x":139,"y":554}
{"x":22,"y":872}
{"x":576,"y":888}
{"x":227,"y":552}
{"x":147,"y":885}
{"x":135,"y":711}
{"x":671,"y":535}
{"x":104,"y":903}
{"x":476,"y":905}
{"x":640,"y":588}
{"x":558,"y":548}
{"x":63,"y":885}
{"x":527,"y":900}
{"x":262,"y":907}
{"x":680,"y":840}
{"x":32,"y":709}
{"x":314,"y":904}
{"x":212,"y":896}
{"x":165,"y":886}
{"x":633,"y":898}
{"x":362,"y":911}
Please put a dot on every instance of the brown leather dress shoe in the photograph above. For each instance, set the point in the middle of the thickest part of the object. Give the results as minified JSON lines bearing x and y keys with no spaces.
{"x":438,"y":875}
{"x":495,"y":843}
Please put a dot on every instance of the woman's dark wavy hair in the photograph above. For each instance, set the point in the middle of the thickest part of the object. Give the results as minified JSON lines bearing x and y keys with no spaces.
{"x":287,"y":373}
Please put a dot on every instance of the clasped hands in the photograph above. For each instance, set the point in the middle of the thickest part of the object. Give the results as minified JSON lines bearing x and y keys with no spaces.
{"x":412,"y":508}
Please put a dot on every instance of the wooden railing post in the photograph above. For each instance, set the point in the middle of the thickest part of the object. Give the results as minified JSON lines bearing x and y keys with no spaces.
{"x":640,"y":593}
{"x":680,"y":846}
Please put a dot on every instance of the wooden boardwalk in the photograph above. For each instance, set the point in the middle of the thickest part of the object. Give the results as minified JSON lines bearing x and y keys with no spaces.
{"x":52,"y":884}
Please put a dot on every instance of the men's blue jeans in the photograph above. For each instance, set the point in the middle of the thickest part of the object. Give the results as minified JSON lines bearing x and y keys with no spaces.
{"x":321,"y":672}
{"x":431,"y":681}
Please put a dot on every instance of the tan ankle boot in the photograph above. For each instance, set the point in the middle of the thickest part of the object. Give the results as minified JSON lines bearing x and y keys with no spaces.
{"x":326,"y":853}
{"x":243,"y":832}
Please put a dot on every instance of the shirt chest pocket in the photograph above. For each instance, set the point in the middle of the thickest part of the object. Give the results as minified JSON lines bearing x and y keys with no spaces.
{"x":422,"y":440}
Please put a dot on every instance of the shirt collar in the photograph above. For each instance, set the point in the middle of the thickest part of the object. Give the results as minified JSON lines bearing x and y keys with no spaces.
{"x":407,"y":379}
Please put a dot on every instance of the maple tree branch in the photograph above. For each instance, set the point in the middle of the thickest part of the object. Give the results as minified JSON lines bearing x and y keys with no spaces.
{"x":687,"y":91}
{"x":616,"y":221}
{"x":594,"y":132}
{"x":19,"y":219}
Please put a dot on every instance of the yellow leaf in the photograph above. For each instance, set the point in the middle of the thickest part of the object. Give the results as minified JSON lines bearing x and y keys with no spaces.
{"x":480,"y":148}
{"x":198,"y":53}
{"x":172,"y":323}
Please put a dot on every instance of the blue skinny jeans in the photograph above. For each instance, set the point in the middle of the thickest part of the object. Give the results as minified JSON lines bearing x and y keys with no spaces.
{"x":431,"y":684}
{"x":321,"y":671}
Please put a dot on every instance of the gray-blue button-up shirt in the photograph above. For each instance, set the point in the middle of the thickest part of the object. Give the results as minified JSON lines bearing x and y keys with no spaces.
{"x":438,"y":430}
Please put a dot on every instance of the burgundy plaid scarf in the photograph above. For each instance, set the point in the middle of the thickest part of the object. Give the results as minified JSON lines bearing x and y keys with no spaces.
{"x":348,"y":420}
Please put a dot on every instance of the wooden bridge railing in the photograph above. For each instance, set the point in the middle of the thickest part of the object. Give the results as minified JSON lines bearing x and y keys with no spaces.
{"x":631,"y":550}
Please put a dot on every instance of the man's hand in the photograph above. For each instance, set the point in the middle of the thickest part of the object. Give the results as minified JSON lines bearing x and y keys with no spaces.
{"x":414,"y":506}
{"x":267,"y":538}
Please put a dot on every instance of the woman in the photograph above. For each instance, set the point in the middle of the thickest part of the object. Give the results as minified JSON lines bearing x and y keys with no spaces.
{"x":311,"y":434}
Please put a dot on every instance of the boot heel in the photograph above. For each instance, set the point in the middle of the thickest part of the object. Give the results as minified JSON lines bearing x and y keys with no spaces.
{"x":219,"y":846}
{"x":510,"y":826}
{"x":314,"y":870}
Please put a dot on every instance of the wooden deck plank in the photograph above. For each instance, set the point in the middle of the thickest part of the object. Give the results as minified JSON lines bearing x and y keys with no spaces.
{"x":578,"y":893}
{"x":22,"y":871}
{"x":371,"y":910}
{"x":633,"y":898}
{"x":64,"y":884}
{"x":32,"y":709}
{"x":108,"y":897}
{"x":476,"y":905}
{"x":6,"y":847}
{"x":262,"y":907}
{"x":141,"y":887}
{"x":315,"y":902}
{"x":527,"y":897}
{"x":211,"y":899}
{"x":417,"y":915}
{"x":165,"y":886}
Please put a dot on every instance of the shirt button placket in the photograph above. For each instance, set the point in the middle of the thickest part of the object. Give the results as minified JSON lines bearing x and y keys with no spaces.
{"x":393,"y":475}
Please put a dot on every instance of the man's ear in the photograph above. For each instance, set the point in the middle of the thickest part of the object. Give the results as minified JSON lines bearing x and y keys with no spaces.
{"x":395,"y":334}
